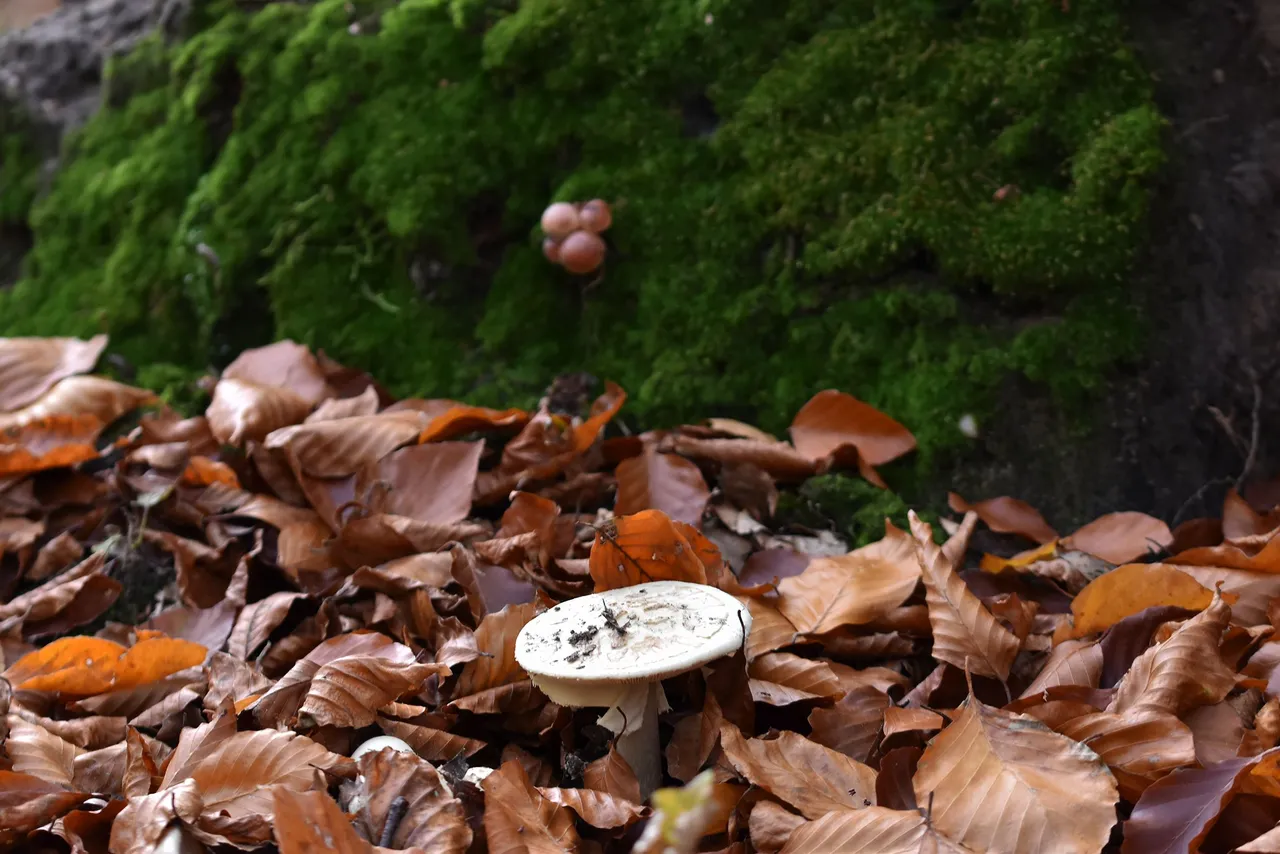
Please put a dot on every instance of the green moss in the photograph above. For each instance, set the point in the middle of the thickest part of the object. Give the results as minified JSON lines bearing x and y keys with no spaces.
{"x":19,"y":167}
{"x":845,"y":504}
{"x":806,"y":194}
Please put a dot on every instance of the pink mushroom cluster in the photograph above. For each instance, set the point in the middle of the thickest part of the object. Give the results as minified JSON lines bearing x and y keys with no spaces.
{"x":573,"y":234}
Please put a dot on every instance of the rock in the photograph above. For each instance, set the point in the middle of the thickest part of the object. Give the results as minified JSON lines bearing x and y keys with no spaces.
{"x":53,"y":68}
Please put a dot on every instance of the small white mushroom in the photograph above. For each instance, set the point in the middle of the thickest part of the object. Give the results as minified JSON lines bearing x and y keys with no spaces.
{"x":381,"y":742}
{"x":351,"y":794}
{"x":613,"y":649}
{"x":475,"y":776}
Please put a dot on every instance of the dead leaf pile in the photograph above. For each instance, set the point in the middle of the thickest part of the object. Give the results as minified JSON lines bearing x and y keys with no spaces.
{"x":204,"y":617}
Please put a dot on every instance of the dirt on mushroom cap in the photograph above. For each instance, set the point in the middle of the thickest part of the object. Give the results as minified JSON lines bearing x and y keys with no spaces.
{"x":633,"y":634}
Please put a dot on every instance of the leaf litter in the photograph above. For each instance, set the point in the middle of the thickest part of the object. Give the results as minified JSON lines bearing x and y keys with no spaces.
{"x":318,"y":564}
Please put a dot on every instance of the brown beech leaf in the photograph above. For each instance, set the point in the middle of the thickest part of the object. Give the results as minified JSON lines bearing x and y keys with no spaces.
{"x":31,"y":366}
{"x":28,"y":802}
{"x":519,"y":820}
{"x":1140,"y":747}
{"x":139,"y":826}
{"x":364,"y":403}
{"x":854,"y":589}
{"x":238,"y":776}
{"x":832,"y":421}
{"x":459,"y":420}
{"x":810,"y":777}
{"x":1006,"y":783}
{"x":34,"y":750}
{"x":1131,"y":588}
{"x":88,"y":831}
{"x":642,"y":547}
{"x":90,"y":733}
{"x":1182,"y":672}
{"x":769,"y":629}
{"x":1267,"y":843}
{"x":436,"y":745}
{"x":770,"y":825}
{"x":70,"y":599}
{"x":343,"y":681}
{"x":433,"y":819}
{"x":243,"y":411}
{"x":1253,"y":590}
{"x":814,"y":677}
{"x":666,"y":482}
{"x":495,"y":639}
{"x":1264,"y":557}
{"x":874,"y":830}
{"x":257,"y":620}
{"x":430,"y":483}
{"x":613,"y":775}
{"x":1120,"y":537}
{"x":343,"y":446}
{"x":311,"y":823}
{"x":898,"y":720}
{"x":1007,"y":516}
{"x":598,"y":809}
{"x":283,"y":364}
{"x":48,"y":443}
{"x":853,"y":724}
{"x":1073,"y":662}
{"x":1177,"y":812}
{"x":78,"y":397}
{"x":778,"y":459}
{"x":965,"y":634}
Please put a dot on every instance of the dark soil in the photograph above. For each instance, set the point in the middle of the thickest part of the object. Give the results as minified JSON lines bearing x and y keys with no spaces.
{"x":1201,"y":413}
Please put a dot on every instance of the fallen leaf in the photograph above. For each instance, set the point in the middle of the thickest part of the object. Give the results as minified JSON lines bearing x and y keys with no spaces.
{"x":34,"y":750}
{"x":814,"y":678}
{"x":458,"y":421}
{"x":311,"y":823}
{"x":431,"y":483}
{"x":665,"y":482}
{"x":243,"y":411}
{"x":853,"y":724}
{"x":1131,"y":588}
{"x":1073,"y":662}
{"x":140,"y":825}
{"x":1120,"y":537}
{"x":1006,"y":783}
{"x":343,"y":446}
{"x":810,"y":777}
{"x":643,"y":547}
{"x":1177,"y":812}
{"x":519,"y":820}
{"x":598,"y":809}
{"x":611,"y":773}
{"x":283,"y":364}
{"x":855,"y":589}
{"x":833,"y":420}
{"x":874,"y":830}
{"x":770,"y":825}
{"x":80,"y":397}
{"x":1007,"y":516}
{"x":29,"y":367}
{"x":898,"y":720}
{"x":1140,"y":747}
{"x":433,"y":819}
{"x":495,"y":640}
{"x":966,"y":634}
{"x":433,"y":744}
{"x":83,"y":666}
{"x":46,"y":443}
{"x":1182,"y":672}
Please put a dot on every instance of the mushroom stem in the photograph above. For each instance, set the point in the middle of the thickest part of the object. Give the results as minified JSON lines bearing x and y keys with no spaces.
{"x":639,"y":746}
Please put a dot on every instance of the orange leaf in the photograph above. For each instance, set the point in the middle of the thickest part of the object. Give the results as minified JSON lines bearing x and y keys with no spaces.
{"x":1007,"y":516}
{"x":666,"y":482}
{"x":852,"y":589}
{"x":833,"y":420}
{"x":643,"y":547}
{"x":1120,"y":537}
{"x":311,"y":823}
{"x":1129,"y":589}
{"x":84,"y":666}
{"x":46,"y":443}
{"x":996,"y":565}
{"x":602,"y":411}
{"x":461,"y":420}
{"x":202,"y":471}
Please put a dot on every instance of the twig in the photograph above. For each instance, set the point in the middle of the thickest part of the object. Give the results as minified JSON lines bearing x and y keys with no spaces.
{"x":395,"y":814}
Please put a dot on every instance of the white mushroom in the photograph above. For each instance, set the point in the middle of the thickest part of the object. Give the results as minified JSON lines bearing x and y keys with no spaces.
{"x":351,"y":794}
{"x":613,"y":649}
{"x":476,"y":775}
{"x":381,"y":742}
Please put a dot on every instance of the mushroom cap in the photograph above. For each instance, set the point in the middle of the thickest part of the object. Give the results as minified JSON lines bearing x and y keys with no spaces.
{"x":559,"y":220}
{"x":381,"y":742}
{"x":587,"y":651}
{"x":582,"y":252}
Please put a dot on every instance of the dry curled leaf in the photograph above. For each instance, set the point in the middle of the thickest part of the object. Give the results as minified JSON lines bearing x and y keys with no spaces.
{"x":874,"y":830}
{"x":832,"y":421}
{"x":31,"y":366}
{"x":1007,"y":516}
{"x":854,"y":589}
{"x":311,"y":823}
{"x":519,"y":820}
{"x":666,"y":482}
{"x":433,"y":819}
{"x":1006,"y":783}
{"x":965,"y":633}
{"x":812,"y":778}
{"x":1131,"y":588}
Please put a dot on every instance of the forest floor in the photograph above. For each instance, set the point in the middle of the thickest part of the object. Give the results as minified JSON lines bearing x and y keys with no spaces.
{"x":205,"y":618}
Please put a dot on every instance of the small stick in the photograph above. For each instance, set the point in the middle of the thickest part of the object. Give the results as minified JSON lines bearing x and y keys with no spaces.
{"x":395,"y":814}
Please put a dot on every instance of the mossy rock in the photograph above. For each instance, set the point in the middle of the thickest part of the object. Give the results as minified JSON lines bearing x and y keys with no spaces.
{"x":906,"y":200}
